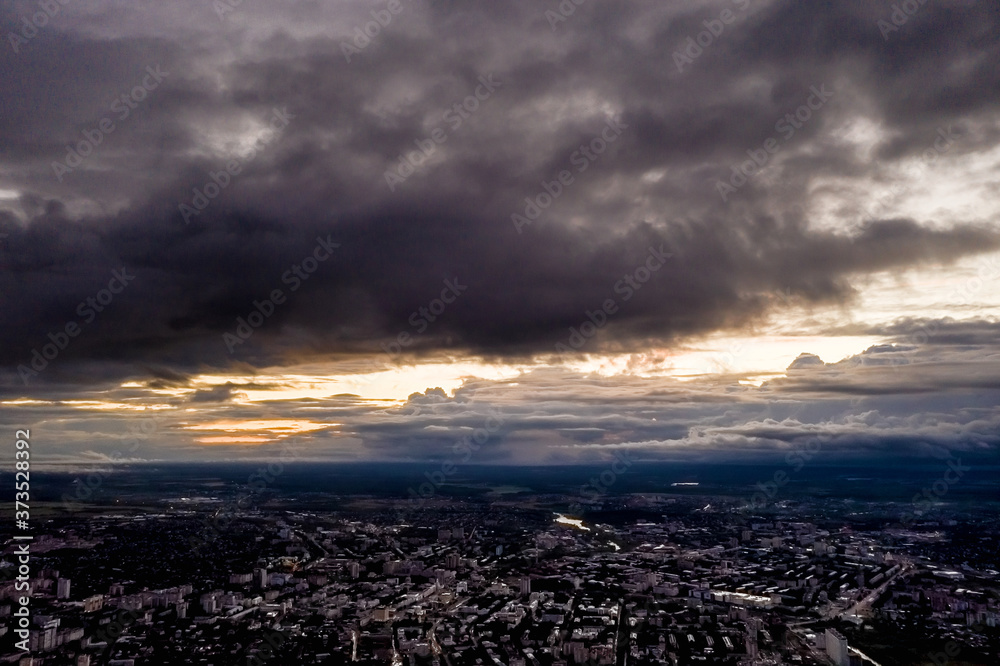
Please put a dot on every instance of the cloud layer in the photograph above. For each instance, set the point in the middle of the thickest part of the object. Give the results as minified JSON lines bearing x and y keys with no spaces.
{"x":456,"y":173}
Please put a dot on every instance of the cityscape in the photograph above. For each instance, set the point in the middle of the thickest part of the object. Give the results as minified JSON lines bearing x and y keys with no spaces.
{"x":498,"y":574}
{"x":499,"y":332}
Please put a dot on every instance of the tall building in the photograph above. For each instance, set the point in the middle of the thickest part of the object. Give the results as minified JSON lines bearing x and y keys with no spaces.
{"x":62,"y":588}
{"x":751,"y":647}
{"x":525,"y":586}
{"x":44,"y":639}
{"x":260,"y":577}
{"x":836,"y":648}
{"x":209,"y":605}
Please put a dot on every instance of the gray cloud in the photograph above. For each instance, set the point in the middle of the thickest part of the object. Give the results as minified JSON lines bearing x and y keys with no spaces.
{"x":323,"y":175}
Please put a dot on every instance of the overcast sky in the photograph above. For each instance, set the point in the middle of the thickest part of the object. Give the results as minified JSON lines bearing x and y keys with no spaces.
{"x":689,"y":229}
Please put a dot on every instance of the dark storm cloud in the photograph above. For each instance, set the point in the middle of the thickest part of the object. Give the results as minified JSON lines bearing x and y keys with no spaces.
{"x":973,"y":332}
{"x":222,"y":393}
{"x":323,"y":175}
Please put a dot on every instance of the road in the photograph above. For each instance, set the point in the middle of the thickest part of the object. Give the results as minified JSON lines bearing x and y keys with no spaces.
{"x":877,"y":592}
